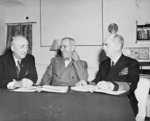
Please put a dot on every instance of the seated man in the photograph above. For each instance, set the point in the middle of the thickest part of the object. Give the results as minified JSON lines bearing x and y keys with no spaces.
{"x":66,"y":69}
{"x":118,"y":72}
{"x":17,"y":68}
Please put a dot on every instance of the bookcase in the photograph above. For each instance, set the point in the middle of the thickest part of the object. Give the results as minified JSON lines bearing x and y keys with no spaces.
{"x":143,"y":32}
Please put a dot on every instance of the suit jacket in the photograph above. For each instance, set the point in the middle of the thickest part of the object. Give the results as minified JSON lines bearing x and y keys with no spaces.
{"x":8,"y":70}
{"x":57,"y":74}
{"x":116,"y":74}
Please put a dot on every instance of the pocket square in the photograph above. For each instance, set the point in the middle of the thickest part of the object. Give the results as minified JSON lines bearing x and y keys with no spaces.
{"x":124,"y":71}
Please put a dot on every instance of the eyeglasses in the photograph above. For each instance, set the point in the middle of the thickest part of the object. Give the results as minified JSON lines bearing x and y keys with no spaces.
{"x":64,"y":46}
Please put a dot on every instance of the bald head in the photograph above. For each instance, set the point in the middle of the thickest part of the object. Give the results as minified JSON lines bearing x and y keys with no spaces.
{"x":19,"y":46}
{"x":113,"y":45}
{"x":116,"y":39}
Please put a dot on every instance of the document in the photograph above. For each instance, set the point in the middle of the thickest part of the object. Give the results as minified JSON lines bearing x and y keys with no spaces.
{"x":92,"y":88}
{"x":49,"y":88}
{"x":109,"y":91}
{"x":27,"y":89}
{"x":45,"y":88}
{"x":86,"y":88}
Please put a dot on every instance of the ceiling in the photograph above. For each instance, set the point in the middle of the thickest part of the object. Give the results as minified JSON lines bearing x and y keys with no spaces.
{"x":11,"y":3}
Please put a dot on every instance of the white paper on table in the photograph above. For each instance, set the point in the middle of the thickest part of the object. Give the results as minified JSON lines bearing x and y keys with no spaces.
{"x":27,"y":89}
{"x":108,"y":91}
{"x":92,"y":88}
{"x":86,"y":88}
{"x":46,"y":88}
{"x":49,"y":88}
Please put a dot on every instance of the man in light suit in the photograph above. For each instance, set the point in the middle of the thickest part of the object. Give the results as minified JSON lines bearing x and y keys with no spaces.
{"x":17,"y":68}
{"x":67,"y":69}
{"x":118,"y":72}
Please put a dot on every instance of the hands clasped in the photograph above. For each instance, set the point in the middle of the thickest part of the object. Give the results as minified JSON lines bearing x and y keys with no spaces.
{"x":26,"y":82}
{"x":22,"y":83}
{"x":103,"y":85}
{"x":81,"y":83}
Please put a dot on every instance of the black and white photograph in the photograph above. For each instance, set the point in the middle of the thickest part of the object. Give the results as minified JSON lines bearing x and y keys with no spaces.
{"x":74,"y":60}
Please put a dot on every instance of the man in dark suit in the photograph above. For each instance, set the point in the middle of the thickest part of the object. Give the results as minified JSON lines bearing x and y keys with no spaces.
{"x":17,"y":68}
{"x":67,"y":69}
{"x":118,"y":72}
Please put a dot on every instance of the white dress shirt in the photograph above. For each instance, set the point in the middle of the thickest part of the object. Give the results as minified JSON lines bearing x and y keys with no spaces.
{"x":67,"y":62}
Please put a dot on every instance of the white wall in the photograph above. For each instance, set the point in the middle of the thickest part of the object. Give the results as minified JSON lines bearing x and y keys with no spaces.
{"x":80,"y":19}
{"x":2,"y":28}
{"x":125,"y":13}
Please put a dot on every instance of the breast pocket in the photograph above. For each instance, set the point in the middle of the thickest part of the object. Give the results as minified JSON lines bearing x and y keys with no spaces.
{"x":123,"y":77}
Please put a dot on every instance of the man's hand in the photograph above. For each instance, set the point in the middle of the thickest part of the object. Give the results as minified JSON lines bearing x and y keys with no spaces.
{"x":81,"y":83}
{"x":26,"y":82}
{"x":17,"y":84}
{"x":13,"y":84}
{"x":23,"y":83}
{"x":104,"y":85}
{"x":75,"y":56}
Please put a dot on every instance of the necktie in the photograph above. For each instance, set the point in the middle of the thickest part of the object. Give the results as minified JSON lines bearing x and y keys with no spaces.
{"x":18,"y":68}
{"x":112,"y":64}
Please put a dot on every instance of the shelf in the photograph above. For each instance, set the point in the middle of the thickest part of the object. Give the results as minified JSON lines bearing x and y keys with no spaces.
{"x":144,"y":40}
{"x":144,"y":26}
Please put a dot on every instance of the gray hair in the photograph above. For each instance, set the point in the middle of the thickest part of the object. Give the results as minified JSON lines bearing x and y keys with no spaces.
{"x":71,"y":40}
{"x":15,"y":37}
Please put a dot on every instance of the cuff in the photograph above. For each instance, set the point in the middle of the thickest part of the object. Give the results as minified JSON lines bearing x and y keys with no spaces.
{"x":116,"y":86}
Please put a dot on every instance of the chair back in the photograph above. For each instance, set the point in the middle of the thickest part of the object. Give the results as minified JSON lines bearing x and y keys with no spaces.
{"x":141,"y":94}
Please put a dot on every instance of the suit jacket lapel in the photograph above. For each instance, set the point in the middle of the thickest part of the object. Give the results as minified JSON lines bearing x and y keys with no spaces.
{"x":67,"y":70}
{"x":23,"y":67}
{"x":62,"y":69}
{"x":121,"y":61}
{"x":60,"y":66}
{"x":117,"y":67}
{"x":12,"y":67}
